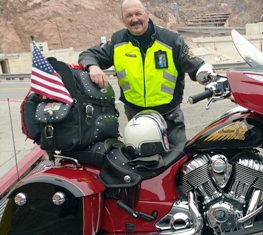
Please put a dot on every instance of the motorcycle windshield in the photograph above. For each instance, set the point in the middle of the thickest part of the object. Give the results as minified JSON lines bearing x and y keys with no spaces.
{"x":251,"y":54}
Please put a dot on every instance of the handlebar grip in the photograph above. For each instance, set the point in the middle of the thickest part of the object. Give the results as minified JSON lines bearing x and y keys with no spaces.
{"x":201,"y":96}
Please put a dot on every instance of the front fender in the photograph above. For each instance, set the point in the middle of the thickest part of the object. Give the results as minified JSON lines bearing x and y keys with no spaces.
{"x":79,"y":182}
{"x":39,"y":215}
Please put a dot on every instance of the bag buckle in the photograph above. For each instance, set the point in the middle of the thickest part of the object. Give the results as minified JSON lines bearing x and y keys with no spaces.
{"x":49,"y":130}
{"x":89,"y":111}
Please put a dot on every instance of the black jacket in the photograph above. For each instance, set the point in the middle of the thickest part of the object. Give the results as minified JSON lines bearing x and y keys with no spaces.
{"x":102,"y":55}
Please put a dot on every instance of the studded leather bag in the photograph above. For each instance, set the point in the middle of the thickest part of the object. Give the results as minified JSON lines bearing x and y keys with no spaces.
{"x":92,"y":116}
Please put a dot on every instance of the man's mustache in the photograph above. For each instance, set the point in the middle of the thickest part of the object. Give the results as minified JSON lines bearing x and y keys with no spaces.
{"x":136,"y":23}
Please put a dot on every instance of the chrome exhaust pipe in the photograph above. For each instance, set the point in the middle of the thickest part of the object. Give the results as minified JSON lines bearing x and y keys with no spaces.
{"x":193,"y":224}
{"x":253,"y":209}
{"x":254,"y":202}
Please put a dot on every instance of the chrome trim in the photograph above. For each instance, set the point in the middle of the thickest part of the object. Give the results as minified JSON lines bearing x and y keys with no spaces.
{"x":58,"y":198}
{"x":20,"y":199}
{"x":250,"y":216}
{"x":232,"y":192}
{"x":253,"y":205}
{"x":195,"y":175}
{"x":179,"y":207}
{"x":180,"y":217}
{"x":207,"y":198}
{"x":194,"y":164}
{"x":225,"y":209}
{"x":220,"y":176}
{"x":237,"y":110}
{"x":215,"y":194}
{"x":196,"y":225}
{"x":254,"y":202}
{"x":68,"y":158}
{"x":222,"y":217}
{"x":251,"y":163}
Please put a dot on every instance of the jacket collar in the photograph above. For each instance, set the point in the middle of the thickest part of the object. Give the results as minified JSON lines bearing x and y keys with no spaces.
{"x":153,"y":34}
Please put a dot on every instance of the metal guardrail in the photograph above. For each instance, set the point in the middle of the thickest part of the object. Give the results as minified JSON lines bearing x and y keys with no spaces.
{"x":23,"y":76}
{"x":225,"y":66}
{"x":10,"y":76}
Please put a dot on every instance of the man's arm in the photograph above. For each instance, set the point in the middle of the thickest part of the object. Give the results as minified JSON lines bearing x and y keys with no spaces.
{"x":188,"y":62}
{"x":94,"y":60}
{"x":100,"y":55}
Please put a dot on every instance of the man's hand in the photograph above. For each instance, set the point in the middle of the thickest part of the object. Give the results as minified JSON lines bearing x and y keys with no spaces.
{"x":98,"y":76}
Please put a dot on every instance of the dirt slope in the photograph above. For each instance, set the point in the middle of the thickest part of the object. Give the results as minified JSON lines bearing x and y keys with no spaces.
{"x":80,"y":23}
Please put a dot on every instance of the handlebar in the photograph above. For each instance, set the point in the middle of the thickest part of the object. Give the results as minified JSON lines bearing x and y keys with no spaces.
{"x":200,"y":96}
{"x":217,"y":89}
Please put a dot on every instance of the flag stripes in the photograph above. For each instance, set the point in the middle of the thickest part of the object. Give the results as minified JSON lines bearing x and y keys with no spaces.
{"x":46,"y":81}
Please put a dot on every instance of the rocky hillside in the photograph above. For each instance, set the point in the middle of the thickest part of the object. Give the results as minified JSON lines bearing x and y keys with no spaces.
{"x":80,"y":23}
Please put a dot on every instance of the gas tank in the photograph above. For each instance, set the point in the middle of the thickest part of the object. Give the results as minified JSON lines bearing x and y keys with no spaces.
{"x":238,"y":128}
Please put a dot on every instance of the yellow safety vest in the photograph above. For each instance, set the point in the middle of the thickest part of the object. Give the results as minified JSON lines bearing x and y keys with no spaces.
{"x":145,"y":85}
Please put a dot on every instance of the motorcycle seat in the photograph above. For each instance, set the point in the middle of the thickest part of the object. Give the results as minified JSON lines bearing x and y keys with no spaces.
{"x":95,"y":154}
{"x":119,"y":171}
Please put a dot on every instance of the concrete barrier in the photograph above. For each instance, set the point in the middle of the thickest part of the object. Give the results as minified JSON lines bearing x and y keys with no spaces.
{"x":111,"y":73}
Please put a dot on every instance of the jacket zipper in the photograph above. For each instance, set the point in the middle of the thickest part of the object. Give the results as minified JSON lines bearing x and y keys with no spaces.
{"x":144,"y":86}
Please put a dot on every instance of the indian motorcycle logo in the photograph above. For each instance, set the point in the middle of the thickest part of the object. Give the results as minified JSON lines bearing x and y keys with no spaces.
{"x":233,"y":131}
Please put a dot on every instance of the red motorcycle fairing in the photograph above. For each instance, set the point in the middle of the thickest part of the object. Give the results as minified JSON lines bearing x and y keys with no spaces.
{"x":81,"y":211}
{"x":237,"y":130}
{"x":78,"y":181}
{"x":156,"y":195}
{"x":247,"y":86}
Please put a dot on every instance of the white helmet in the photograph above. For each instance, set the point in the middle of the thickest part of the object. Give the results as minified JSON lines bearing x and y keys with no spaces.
{"x":145,"y":134}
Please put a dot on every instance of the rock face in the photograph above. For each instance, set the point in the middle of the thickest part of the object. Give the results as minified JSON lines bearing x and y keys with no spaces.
{"x":81,"y":23}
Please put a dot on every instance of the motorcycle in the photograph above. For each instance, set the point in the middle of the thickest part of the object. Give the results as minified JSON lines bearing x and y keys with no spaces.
{"x":213,"y":184}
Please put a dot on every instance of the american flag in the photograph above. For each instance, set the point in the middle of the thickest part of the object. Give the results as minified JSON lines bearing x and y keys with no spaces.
{"x":45,"y":80}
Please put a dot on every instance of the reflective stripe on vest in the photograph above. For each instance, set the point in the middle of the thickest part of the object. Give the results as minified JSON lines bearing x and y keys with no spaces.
{"x":145,"y":85}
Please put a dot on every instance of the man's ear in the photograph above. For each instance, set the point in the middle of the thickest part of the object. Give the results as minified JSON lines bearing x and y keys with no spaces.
{"x":124,"y":22}
{"x":148,"y":15}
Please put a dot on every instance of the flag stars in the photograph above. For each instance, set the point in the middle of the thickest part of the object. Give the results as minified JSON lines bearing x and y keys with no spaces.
{"x":46,"y":81}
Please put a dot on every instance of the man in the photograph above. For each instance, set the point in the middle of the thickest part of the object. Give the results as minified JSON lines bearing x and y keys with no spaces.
{"x":135,"y":52}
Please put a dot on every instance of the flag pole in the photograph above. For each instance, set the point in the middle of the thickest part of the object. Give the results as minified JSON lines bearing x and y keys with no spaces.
{"x":14,"y":145}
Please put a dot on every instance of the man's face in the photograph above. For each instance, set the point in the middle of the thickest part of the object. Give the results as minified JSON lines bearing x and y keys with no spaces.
{"x":135,"y":17}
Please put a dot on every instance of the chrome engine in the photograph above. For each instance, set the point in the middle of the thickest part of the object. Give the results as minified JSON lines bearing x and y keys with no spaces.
{"x":229,"y":195}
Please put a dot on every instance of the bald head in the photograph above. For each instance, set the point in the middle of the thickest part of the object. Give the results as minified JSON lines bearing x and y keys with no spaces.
{"x":135,"y":16}
{"x":127,"y":3}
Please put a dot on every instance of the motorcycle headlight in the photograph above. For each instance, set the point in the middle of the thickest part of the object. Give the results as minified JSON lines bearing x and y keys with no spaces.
{"x":20,"y":199}
{"x":58,"y":198}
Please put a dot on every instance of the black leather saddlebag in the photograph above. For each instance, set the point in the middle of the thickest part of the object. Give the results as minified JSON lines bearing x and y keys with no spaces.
{"x":27,"y":110}
{"x":92,"y":116}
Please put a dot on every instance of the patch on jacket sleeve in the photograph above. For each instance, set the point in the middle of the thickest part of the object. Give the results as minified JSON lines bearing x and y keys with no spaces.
{"x":188,"y":51}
